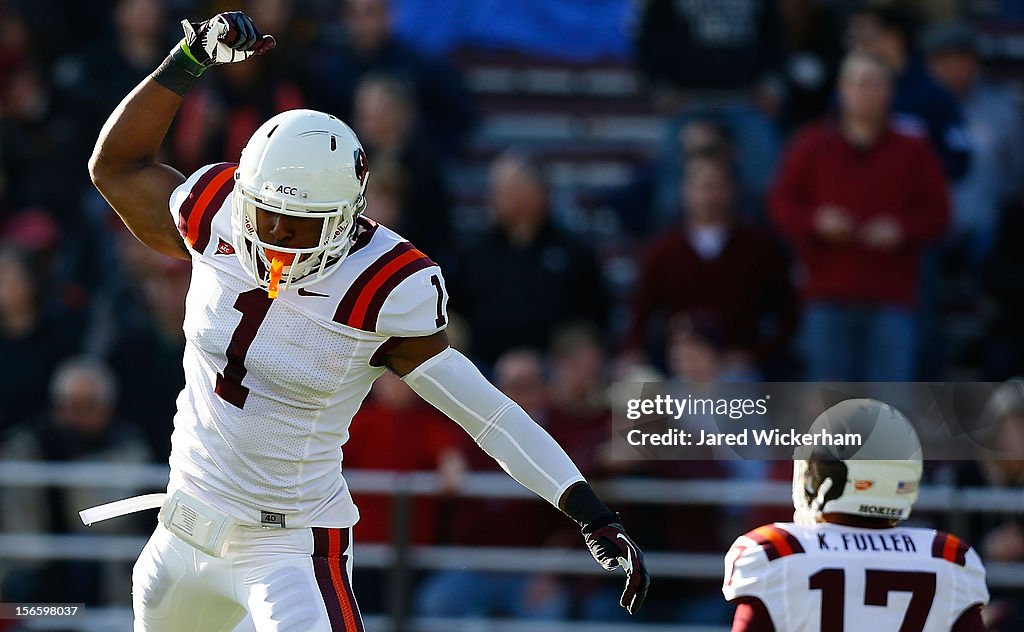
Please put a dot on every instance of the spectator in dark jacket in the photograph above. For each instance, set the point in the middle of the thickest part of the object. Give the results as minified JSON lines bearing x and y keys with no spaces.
{"x":1003,"y":278}
{"x":525,"y":277}
{"x":388,"y":126}
{"x":860,"y":201}
{"x":35,"y":335}
{"x":96,"y":78}
{"x":739,"y":43}
{"x":366,"y":43}
{"x":217,"y":118}
{"x":715,"y":264}
{"x":715,"y":55}
{"x":80,"y":427}
{"x":996,"y":131}
{"x":920,"y":105}
{"x":146,"y":356}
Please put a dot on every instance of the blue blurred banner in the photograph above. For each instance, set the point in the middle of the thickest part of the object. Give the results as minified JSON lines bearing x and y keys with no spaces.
{"x":572,"y":30}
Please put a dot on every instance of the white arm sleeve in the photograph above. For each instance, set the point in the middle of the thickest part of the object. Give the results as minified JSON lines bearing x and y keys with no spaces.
{"x":452,"y":384}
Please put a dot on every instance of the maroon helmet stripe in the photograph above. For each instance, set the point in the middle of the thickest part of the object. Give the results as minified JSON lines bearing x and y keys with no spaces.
{"x":185,"y":211}
{"x":206,"y":221}
{"x":348,"y":302}
{"x":381,"y":294}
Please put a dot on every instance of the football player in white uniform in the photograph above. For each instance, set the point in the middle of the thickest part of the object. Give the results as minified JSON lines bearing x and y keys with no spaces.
{"x":845,"y":563}
{"x":297,"y":303}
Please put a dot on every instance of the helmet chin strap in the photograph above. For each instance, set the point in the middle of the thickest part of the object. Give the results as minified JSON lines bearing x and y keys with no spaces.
{"x":809,"y":515}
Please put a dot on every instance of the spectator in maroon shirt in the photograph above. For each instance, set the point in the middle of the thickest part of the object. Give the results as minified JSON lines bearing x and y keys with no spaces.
{"x":579,"y":418}
{"x":712,"y":263}
{"x":395,"y":430}
{"x":860,"y":201}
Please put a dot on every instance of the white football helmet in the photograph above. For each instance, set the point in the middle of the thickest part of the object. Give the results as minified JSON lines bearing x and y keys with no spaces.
{"x":306,"y":164}
{"x":878,"y":479}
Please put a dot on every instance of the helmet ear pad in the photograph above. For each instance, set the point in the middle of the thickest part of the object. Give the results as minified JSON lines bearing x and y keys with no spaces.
{"x":819,"y":468}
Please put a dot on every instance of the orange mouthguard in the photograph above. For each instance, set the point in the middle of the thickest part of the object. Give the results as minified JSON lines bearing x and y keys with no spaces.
{"x":287,"y":257}
{"x":276,"y":268}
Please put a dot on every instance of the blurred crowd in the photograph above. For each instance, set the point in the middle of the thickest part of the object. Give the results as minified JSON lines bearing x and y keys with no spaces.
{"x":836,"y":196}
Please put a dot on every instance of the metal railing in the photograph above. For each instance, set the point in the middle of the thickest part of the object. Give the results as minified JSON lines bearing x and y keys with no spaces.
{"x":401,"y":559}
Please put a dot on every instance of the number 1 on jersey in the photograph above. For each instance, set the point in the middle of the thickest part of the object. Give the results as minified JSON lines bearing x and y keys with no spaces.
{"x":436,"y":282}
{"x":254,"y":306}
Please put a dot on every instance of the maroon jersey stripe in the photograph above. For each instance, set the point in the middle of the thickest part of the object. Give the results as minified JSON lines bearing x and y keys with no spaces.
{"x":206,"y":221}
{"x":377,"y":302}
{"x":950,"y":548}
{"x":348,"y":302}
{"x":775,"y":541}
{"x":187,"y":206}
{"x":961,"y":552}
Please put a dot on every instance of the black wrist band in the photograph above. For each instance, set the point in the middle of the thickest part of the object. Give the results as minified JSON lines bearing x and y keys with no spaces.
{"x":174,"y":77}
{"x":583,"y":506}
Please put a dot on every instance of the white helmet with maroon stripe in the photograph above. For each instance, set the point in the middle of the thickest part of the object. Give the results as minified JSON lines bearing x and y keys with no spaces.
{"x":877,"y":479}
{"x":305,"y":164}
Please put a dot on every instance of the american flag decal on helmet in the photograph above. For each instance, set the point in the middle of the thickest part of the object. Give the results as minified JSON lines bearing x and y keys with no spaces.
{"x":906,"y":487}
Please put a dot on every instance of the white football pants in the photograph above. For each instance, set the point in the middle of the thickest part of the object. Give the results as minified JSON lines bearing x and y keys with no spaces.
{"x":288,"y":580}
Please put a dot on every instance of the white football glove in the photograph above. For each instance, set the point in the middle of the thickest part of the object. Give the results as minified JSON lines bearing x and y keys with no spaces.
{"x":223,"y":39}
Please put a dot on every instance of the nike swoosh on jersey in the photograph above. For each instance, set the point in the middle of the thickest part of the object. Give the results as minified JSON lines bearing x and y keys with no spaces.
{"x":304,"y":292}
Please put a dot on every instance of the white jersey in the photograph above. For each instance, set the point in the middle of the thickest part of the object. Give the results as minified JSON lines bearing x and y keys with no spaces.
{"x":271,"y":385}
{"x":831,"y":578}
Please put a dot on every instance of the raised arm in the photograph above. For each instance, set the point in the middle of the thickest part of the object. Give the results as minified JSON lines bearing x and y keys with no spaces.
{"x":123,"y":164}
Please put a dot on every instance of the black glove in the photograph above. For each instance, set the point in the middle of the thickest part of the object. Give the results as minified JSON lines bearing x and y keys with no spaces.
{"x":223,"y":39}
{"x":612,"y":547}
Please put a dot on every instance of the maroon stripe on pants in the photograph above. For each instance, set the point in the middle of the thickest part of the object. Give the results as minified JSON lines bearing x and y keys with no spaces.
{"x":351,"y":595}
{"x":324,"y":564}
{"x":321,"y":542}
{"x":322,"y":570}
